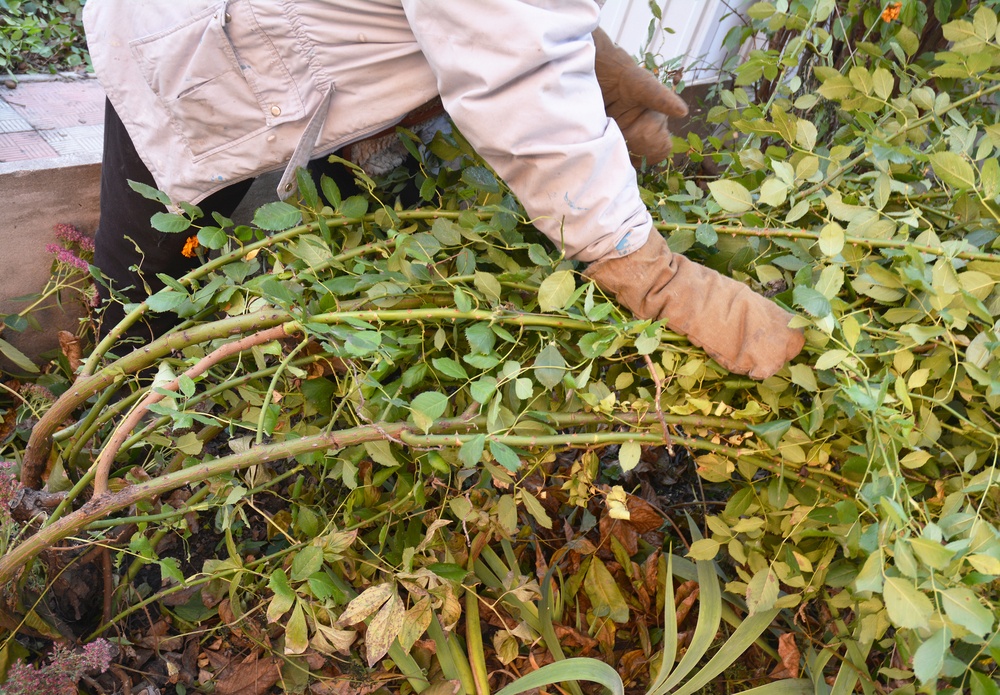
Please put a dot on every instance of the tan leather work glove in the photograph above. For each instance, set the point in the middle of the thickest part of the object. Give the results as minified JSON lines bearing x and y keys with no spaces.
{"x":741,"y":330}
{"x":637,"y":101}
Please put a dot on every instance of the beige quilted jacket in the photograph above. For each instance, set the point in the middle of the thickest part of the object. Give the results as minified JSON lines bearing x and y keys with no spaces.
{"x":217,"y":91}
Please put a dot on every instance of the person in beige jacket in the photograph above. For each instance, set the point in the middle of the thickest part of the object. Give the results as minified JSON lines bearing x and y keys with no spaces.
{"x":204,"y":95}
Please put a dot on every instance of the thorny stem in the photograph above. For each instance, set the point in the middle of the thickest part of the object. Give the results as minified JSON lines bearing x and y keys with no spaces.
{"x":99,"y":506}
{"x":113,"y":336}
{"x":107,"y":502}
{"x":814,"y":236}
{"x":591,"y":439}
{"x":659,"y":407}
{"x":39,"y":445}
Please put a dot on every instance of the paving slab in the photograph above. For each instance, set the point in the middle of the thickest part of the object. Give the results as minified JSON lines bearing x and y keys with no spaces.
{"x":50,"y":122}
{"x":56,"y":104}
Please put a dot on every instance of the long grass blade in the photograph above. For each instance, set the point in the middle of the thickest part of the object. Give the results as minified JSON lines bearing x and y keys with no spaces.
{"x":734,"y":647}
{"x":669,"y":630}
{"x":547,"y":630}
{"x":709,"y":617}
{"x":445,"y":657}
{"x":851,"y":669}
{"x":576,"y":669}
{"x":789,"y":686}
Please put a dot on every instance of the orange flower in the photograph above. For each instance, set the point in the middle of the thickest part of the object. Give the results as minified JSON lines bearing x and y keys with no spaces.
{"x":190,"y":249}
{"x":891,"y":11}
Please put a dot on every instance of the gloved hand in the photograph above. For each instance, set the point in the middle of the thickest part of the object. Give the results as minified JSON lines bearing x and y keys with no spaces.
{"x":637,"y":101}
{"x":741,"y":330}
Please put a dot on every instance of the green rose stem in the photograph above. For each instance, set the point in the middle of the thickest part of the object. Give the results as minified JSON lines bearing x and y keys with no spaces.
{"x":330,"y":222}
{"x":441,"y":434}
{"x":40,"y":444}
{"x":606,"y":438}
{"x":36,"y":454}
{"x":99,"y":506}
{"x":737,"y":230}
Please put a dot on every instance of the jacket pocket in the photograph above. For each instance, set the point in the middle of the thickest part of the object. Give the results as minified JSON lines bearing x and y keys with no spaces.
{"x":216,"y":78}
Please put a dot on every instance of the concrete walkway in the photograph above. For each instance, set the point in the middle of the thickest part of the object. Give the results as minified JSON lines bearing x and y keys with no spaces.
{"x":48,"y":122}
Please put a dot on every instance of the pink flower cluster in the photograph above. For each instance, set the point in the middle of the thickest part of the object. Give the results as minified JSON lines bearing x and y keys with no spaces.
{"x":76,"y":247}
{"x":63,"y":671}
{"x":69,"y":234}
{"x":66,"y":257}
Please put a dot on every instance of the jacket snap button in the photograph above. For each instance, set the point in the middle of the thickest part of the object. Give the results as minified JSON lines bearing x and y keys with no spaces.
{"x":275,"y":111}
{"x":288,"y":186}
{"x":229,"y":18}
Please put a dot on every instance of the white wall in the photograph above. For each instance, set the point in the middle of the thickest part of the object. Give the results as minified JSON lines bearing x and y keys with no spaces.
{"x":699,"y":26}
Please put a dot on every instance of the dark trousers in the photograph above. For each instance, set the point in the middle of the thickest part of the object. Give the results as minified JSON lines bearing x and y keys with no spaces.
{"x":125,"y":240}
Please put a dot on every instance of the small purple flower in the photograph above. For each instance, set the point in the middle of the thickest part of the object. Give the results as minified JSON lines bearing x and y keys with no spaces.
{"x":71,"y":235}
{"x":66,"y":257}
{"x":61,"y":673}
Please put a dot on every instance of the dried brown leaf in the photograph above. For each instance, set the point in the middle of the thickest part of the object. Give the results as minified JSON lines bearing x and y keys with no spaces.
{"x":790,"y":656}
{"x":70,"y":346}
{"x":642,"y":515}
{"x":574,"y":639}
{"x":687,"y":594}
{"x":622,"y":530}
{"x":254,"y":676}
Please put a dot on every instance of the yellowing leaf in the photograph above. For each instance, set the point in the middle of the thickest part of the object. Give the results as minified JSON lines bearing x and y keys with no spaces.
{"x":628,"y":455}
{"x":366,"y":603}
{"x":831,"y":359}
{"x":932,"y":553}
{"x":882,"y":83}
{"x":556,"y":290}
{"x":914,"y":459}
{"x":535,"y":508}
{"x":773,"y":192}
{"x":762,"y":591}
{"x":704,"y":549}
{"x":296,"y":631}
{"x":831,"y":239}
{"x":953,"y":169}
{"x":963,"y":607}
{"x":383,"y":629}
{"x":605,"y":596}
{"x":987,"y":564}
{"x":805,"y":134}
{"x":907,"y":606}
{"x":731,"y":196}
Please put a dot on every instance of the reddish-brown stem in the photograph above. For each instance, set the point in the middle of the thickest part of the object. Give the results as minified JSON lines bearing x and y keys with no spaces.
{"x":659,"y":408}
{"x":110,"y":451}
{"x":36,"y":454}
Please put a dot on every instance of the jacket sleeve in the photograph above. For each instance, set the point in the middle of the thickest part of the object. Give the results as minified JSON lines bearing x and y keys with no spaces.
{"x":517,"y":77}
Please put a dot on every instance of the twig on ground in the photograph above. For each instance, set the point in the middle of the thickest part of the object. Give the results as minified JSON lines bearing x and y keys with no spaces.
{"x":659,"y":408}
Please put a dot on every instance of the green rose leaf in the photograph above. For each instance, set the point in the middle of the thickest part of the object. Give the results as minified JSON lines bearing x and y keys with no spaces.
{"x":556,"y":290}
{"x":731,"y":196}
{"x":277,"y":216}
{"x":428,"y":407}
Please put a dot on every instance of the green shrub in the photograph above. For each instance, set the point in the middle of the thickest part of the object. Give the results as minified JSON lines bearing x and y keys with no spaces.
{"x":407,"y":383}
{"x":41,"y":36}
